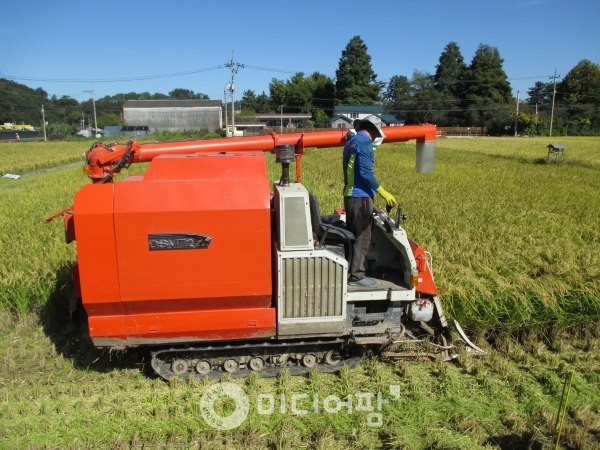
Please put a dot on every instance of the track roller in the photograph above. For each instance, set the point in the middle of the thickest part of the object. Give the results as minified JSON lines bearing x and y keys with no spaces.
{"x":257,"y":364}
{"x":179,"y":366}
{"x":230,"y":365}
{"x":309,"y":360}
{"x":203,"y":367}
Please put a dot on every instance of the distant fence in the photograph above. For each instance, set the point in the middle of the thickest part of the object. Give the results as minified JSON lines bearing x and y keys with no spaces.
{"x":463,"y":131}
{"x":446,"y":131}
{"x":266,"y":131}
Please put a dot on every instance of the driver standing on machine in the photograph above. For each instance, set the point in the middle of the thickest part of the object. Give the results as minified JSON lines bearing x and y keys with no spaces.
{"x":360,"y":186}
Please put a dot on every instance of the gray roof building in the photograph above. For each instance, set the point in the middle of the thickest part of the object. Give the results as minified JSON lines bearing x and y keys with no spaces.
{"x":287,"y":120}
{"x":174,"y":115}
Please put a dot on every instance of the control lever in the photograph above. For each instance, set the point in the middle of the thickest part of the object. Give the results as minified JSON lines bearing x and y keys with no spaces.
{"x":386,"y":220}
{"x":399,"y":215}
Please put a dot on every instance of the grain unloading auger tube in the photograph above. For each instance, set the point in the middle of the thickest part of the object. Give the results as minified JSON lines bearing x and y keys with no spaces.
{"x":103,"y":162}
{"x":218,"y":270}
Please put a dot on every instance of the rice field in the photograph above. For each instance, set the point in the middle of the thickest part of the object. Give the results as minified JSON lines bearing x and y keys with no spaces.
{"x":20,"y":158}
{"x":515,"y":246}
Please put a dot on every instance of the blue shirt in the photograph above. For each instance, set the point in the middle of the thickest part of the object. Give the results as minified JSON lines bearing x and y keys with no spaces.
{"x":357,"y":161}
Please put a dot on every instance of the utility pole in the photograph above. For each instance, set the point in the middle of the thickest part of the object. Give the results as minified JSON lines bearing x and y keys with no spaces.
{"x":94,"y":104}
{"x":553,"y":95}
{"x":517,"y":116}
{"x":281,"y":119}
{"x":44,"y":122}
{"x":225,"y":99}
{"x":234,"y":69}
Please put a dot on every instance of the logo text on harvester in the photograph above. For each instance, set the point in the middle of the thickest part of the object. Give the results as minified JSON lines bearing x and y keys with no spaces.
{"x":299,"y":405}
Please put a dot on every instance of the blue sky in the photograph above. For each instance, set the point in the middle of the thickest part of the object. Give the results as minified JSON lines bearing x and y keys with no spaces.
{"x":111,"y":40}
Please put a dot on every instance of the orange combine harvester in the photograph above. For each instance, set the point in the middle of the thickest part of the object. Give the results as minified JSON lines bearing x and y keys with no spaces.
{"x":218,"y":269}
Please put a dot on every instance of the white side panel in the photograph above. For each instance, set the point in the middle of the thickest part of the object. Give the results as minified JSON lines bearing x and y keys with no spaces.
{"x":313,"y":287}
{"x":294,"y":230}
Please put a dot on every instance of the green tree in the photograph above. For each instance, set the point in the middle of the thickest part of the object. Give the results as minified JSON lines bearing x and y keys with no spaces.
{"x":486,"y":90}
{"x":579,"y":94}
{"x":109,"y":119}
{"x":320,"y":118}
{"x":582,"y":84}
{"x":485,"y":78}
{"x":248,"y":100}
{"x":277,"y":92}
{"x":263,"y":104}
{"x":62,"y":107}
{"x":322,"y":89}
{"x":356,"y":83}
{"x":448,"y":84}
{"x":180,"y":93}
{"x":246,"y":116}
{"x":21,"y":104}
{"x":302,"y":94}
{"x":540,"y":93}
{"x":449,"y":72}
{"x":59,"y":130}
{"x":425,"y":99}
{"x":398,"y":96}
{"x":398,"y":91}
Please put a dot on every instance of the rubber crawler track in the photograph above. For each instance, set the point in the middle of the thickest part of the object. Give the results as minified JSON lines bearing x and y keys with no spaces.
{"x":351,"y":356}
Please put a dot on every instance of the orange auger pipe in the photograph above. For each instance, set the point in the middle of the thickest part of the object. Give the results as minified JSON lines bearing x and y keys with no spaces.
{"x":101,"y":160}
{"x":320,"y":139}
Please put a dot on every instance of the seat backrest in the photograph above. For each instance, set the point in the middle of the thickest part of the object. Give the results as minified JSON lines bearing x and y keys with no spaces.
{"x":315,"y":215}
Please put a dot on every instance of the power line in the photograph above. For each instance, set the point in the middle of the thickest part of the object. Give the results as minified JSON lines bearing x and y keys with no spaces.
{"x":140,"y":78}
{"x":114,"y":80}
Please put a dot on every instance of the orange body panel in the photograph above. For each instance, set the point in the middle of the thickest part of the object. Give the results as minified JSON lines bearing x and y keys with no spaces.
{"x":96,"y":250}
{"x":159,"y":294}
{"x":108,"y":331}
{"x":216,"y":325}
{"x":426,"y":284}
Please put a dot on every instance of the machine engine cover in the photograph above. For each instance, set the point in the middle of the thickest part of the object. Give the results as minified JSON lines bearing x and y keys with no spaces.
{"x":185,"y":251}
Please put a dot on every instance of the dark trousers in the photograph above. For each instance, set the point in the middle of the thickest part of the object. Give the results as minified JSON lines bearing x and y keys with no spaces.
{"x":359,"y":217}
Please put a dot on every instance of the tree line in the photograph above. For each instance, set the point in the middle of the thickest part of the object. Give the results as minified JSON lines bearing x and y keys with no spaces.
{"x":21,"y":104}
{"x":477,"y":94}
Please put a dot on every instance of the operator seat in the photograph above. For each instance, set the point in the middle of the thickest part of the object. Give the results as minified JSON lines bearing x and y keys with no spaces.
{"x":330,"y":229}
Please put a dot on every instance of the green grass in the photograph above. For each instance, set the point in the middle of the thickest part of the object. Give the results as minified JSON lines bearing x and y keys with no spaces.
{"x":515,"y":243}
{"x":57,"y":393}
{"x":515,"y":246}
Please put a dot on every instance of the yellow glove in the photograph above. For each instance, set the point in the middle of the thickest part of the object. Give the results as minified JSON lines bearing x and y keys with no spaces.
{"x":389,"y":198}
